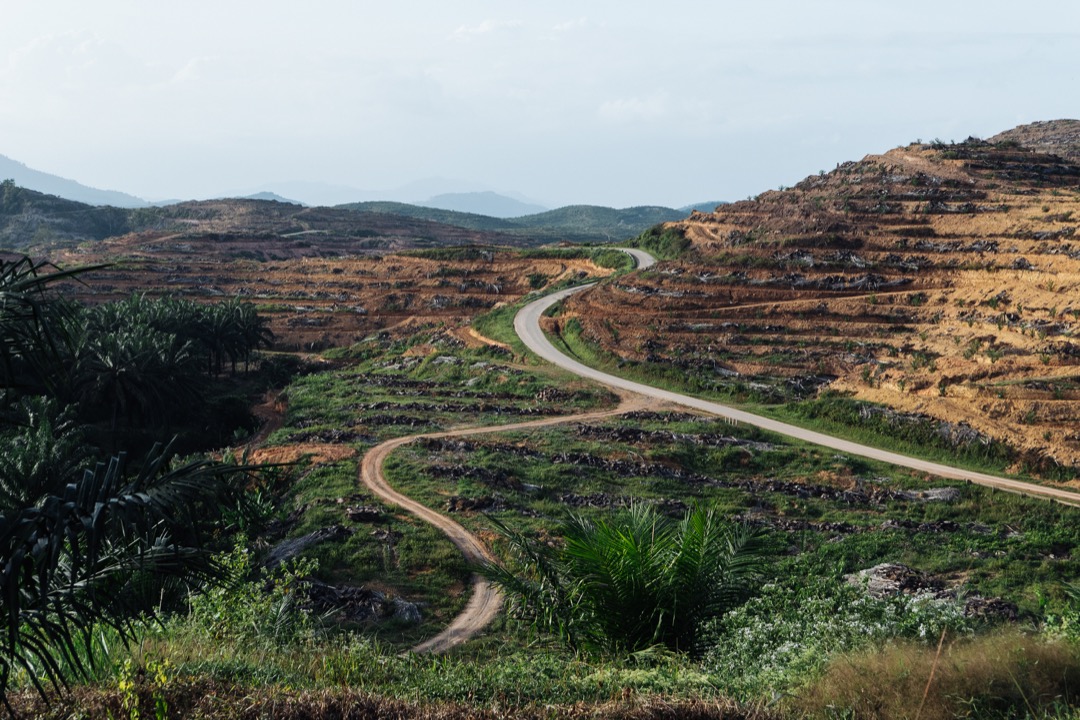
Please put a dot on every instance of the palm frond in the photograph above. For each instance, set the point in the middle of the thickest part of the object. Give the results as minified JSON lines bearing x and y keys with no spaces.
{"x":633,"y":581}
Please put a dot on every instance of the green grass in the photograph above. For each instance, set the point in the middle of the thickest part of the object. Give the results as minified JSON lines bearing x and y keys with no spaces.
{"x":1007,"y":545}
{"x":831,"y":414}
{"x":1002,"y":545}
{"x":388,"y":389}
{"x":664,"y":244}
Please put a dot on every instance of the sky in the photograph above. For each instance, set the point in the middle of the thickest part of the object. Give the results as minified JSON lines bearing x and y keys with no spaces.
{"x":591,"y":101}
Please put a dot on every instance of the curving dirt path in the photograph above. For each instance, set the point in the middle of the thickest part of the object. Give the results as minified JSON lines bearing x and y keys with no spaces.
{"x":486,"y":600}
{"x":527,"y":326}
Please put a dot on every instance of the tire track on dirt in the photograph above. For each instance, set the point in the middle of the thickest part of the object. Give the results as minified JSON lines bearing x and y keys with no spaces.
{"x":486,"y":600}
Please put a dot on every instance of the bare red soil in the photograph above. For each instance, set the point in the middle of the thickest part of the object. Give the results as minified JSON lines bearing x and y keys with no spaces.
{"x":939,"y":279}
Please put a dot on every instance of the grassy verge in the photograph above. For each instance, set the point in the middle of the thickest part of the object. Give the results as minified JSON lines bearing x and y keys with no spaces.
{"x":831,"y":414}
{"x":498,"y":324}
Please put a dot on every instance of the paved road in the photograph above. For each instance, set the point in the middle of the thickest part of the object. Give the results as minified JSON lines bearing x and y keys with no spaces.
{"x":486,"y":601}
{"x":527,"y":326}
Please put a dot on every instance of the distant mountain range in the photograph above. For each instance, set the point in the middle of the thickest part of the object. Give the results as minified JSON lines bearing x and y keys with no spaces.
{"x":67,"y":211}
{"x":271,"y":196}
{"x":483,"y":203}
{"x":34,"y":220}
{"x":61,"y":187}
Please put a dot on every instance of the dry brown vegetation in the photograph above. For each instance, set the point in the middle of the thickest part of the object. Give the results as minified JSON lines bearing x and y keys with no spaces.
{"x":938,"y":279}
{"x":198,"y":698}
{"x":970,"y":678}
{"x":319,"y":302}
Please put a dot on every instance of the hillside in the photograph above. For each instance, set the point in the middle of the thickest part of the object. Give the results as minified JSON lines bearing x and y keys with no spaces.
{"x":450,"y":217}
{"x":575,"y":223}
{"x":30,"y":218}
{"x":33,"y":221}
{"x":62,"y":187}
{"x":262,"y":229}
{"x":1056,"y":137}
{"x":938,"y":279}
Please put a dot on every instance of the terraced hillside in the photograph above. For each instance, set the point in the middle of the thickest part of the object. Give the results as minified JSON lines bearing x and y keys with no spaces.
{"x":315,"y":303}
{"x":942,"y":280}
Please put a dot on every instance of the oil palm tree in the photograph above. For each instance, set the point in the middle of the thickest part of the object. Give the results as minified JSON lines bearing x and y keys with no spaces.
{"x":138,"y":373}
{"x":42,"y":449}
{"x":631,"y":582}
{"x":33,"y":343}
{"x":77,"y":558}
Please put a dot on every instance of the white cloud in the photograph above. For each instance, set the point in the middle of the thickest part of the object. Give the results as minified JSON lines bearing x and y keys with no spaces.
{"x":485,"y":28}
{"x":569,"y":25}
{"x":193,"y":70}
{"x":634,"y":109}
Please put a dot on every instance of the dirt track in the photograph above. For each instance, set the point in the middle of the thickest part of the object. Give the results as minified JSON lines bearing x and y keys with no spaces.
{"x":486,"y":600}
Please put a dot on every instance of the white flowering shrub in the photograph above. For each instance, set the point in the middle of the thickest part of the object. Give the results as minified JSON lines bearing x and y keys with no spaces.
{"x":789,"y":630}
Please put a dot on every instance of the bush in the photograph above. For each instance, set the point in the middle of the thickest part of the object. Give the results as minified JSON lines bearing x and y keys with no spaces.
{"x":789,"y":631}
{"x":256,"y":607}
{"x":664,"y":243}
{"x":633,"y":582}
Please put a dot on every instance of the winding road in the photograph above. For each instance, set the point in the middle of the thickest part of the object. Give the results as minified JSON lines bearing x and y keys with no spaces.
{"x":527,"y":326}
{"x":486,"y":601}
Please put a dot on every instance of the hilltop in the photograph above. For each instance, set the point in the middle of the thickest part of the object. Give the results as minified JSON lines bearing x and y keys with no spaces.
{"x":938,"y":279}
{"x":62,"y":187}
{"x":1055,"y":137}
{"x":260,"y":229}
{"x":38,"y":222}
{"x":573,"y":223}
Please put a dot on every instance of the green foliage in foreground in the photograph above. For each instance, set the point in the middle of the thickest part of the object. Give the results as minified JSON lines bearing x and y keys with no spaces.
{"x":100,"y":551}
{"x":787,"y":633}
{"x":632,"y":582}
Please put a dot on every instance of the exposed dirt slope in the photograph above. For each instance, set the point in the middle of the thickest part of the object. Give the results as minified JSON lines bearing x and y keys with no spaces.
{"x":314,"y":302}
{"x":939,"y":279}
{"x":1057,"y":137}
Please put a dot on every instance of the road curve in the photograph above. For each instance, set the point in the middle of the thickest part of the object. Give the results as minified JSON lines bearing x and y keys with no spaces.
{"x":527,"y":326}
{"x":642,"y":258}
{"x":486,"y":600}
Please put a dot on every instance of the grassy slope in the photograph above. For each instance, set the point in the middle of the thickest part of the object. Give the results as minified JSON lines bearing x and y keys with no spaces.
{"x":1018,"y":557}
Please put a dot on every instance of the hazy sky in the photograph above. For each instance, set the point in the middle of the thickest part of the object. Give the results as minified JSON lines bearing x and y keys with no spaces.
{"x":595,"y":101}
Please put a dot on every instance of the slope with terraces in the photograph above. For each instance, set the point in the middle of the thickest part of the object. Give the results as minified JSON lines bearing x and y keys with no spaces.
{"x":939,"y":279}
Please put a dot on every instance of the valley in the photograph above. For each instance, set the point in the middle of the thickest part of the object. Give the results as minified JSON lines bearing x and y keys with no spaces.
{"x":868,"y":382}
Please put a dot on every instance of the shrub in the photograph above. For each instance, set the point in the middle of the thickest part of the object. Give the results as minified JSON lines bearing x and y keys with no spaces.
{"x":790,"y":629}
{"x":633,"y":582}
